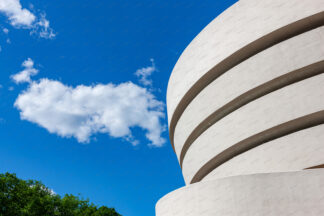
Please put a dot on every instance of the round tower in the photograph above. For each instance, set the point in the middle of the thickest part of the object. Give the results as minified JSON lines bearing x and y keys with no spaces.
{"x":246,"y":113}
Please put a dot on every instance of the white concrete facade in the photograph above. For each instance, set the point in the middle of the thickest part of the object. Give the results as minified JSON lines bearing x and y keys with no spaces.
{"x":244,"y":131}
{"x":241,"y":24}
{"x":289,"y":55}
{"x":276,"y":194}
{"x":294,"y":101}
{"x":293,"y":152}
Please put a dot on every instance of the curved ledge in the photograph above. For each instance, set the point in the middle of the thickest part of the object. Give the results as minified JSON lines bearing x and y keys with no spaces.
{"x":263,"y":43}
{"x":251,"y":95}
{"x":278,"y":131}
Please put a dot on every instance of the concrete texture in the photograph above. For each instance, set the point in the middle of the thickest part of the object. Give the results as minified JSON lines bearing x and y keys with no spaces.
{"x":280,"y":59}
{"x":286,"y":104}
{"x":264,"y":62}
{"x":277,"y":194}
{"x":294,"y":152}
{"x":238,"y":26}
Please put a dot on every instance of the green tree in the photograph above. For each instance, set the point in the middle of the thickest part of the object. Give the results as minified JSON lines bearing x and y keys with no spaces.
{"x":31,"y":198}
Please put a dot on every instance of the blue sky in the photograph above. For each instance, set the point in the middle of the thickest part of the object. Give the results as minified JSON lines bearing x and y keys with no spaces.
{"x":82,"y":95}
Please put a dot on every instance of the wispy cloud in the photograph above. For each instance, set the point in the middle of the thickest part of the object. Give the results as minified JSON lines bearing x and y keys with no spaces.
{"x":144,"y":73}
{"x":20,"y":17}
{"x":5,"y":30}
{"x":43,"y":28}
{"x":84,"y":111}
{"x":24,"y":75}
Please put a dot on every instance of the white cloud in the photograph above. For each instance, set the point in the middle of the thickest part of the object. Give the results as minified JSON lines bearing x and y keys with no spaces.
{"x":20,"y":17}
{"x":44,"y":188}
{"x":144,"y":73}
{"x":42,"y":27}
{"x":24,"y":75}
{"x":5,"y":30}
{"x":83,"y":111}
{"x":52,"y":192}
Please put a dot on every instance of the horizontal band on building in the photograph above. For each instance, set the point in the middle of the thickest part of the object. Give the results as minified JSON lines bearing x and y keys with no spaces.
{"x":316,"y":167}
{"x":259,"y":45}
{"x":249,"y":96}
{"x":273,"y":133}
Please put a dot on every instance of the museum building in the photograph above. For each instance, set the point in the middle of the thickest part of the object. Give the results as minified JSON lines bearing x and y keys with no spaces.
{"x":246,"y":113}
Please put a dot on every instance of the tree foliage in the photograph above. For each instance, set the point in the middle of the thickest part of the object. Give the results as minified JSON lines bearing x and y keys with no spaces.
{"x":32,"y":198}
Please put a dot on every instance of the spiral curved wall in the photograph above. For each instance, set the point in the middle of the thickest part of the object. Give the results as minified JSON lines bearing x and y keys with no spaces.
{"x":245,"y":98}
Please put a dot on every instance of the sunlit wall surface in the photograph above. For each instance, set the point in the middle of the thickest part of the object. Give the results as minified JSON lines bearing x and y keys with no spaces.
{"x":246,"y":113}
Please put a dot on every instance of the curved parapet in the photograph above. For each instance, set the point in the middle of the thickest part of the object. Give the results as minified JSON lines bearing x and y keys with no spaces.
{"x":293,"y":193}
{"x":253,"y":77}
